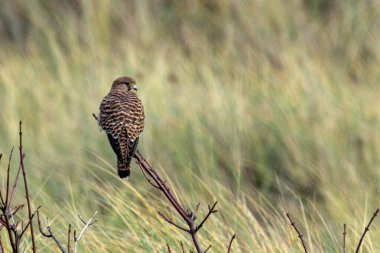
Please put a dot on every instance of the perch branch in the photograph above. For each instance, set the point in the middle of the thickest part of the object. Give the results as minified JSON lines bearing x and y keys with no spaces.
{"x":187,"y":216}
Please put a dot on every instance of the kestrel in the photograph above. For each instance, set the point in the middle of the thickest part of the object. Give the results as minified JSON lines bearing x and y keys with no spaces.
{"x":122,"y":118}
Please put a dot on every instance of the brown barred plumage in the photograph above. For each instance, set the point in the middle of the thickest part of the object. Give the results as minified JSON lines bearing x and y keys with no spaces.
{"x":122,"y":118}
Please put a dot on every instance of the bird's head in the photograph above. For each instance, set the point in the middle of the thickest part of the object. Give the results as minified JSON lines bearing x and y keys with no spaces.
{"x":125,"y":81}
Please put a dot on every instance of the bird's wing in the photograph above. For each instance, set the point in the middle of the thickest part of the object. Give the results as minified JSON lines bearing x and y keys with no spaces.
{"x":113,"y":114}
{"x":115,"y":144}
{"x":135,"y":118}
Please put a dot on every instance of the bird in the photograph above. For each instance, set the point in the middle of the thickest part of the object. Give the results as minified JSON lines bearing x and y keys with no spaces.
{"x":122,"y":118}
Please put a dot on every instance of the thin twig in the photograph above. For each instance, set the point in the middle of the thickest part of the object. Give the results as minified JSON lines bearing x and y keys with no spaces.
{"x":55,"y":239}
{"x":50,"y":234}
{"x":95,"y":117}
{"x":14,"y":186}
{"x":298,"y":232}
{"x":366,"y":230}
{"x":26,"y":191}
{"x":157,"y":182}
{"x":211,"y":210}
{"x":80,"y":217}
{"x":209,"y":247}
{"x":68,"y":239}
{"x":8,"y":173}
{"x":82,"y":232}
{"x":169,"y":220}
{"x":196,"y":210}
{"x":1,"y":244}
{"x":229,"y":245}
{"x":27,"y":224}
{"x":344,"y":238}
{"x":40,"y":227}
{"x":149,"y":181}
{"x":183,"y":248}
{"x":169,"y":249}
{"x":144,"y":165}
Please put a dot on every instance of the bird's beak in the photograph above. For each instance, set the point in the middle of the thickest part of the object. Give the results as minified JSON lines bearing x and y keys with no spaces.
{"x":135,"y":87}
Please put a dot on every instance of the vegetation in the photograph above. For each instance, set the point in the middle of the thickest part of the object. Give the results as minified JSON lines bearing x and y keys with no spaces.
{"x":266,"y":106}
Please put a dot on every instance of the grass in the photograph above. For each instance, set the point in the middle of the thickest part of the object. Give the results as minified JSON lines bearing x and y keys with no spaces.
{"x":263,"y":106}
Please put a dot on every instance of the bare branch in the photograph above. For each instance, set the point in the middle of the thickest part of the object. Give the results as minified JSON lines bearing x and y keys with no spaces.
{"x":196,"y":210}
{"x":22,"y":155}
{"x":14,"y":186}
{"x":209,"y":247}
{"x":169,"y":220}
{"x":298,"y":232}
{"x":183,"y":248}
{"x":27,"y":224}
{"x":149,"y":181}
{"x":344,"y":238}
{"x":211,"y":210}
{"x":229,"y":245}
{"x":50,"y":233}
{"x":144,"y":165}
{"x":1,"y":243}
{"x":95,"y":117}
{"x":85,"y":222}
{"x":68,"y":239}
{"x":366,"y":230}
{"x":40,"y":227}
{"x":82,"y":232}
{"x":169,"y":250}
{"x":8,"y":173}
{"x":157,"y":182}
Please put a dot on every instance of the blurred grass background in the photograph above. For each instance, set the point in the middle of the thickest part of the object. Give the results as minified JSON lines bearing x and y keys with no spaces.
{"x":265,"y":106}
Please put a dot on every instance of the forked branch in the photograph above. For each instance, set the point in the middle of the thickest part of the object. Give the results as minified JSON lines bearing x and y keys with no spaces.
{"x":189,"y":217}
{"x":50,"y":233}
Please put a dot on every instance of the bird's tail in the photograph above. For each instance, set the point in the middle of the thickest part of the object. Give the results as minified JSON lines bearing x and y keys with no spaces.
{"x":123,"y":169}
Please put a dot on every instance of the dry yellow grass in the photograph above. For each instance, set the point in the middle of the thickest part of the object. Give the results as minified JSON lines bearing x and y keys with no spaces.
{"x":265,"y":106}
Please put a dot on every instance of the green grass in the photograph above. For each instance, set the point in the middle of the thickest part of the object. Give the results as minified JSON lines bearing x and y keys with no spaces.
{"x":265,"y":106}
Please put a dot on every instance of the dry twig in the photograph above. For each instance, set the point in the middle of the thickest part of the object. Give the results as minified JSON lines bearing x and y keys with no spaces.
{"x":344,"y":238}
{"x":186,"y":215}
{"x":366,"y":230}
{"x":87,"y":224}
{"x":230,"y":244}
{"x":22,"y":155}
{"x":298,"y":232}
{"x":16,"y":230}
{"x":50,"y":233}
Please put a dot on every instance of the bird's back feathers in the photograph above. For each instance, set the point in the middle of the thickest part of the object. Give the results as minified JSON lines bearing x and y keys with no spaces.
{"x":122,"y":118}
